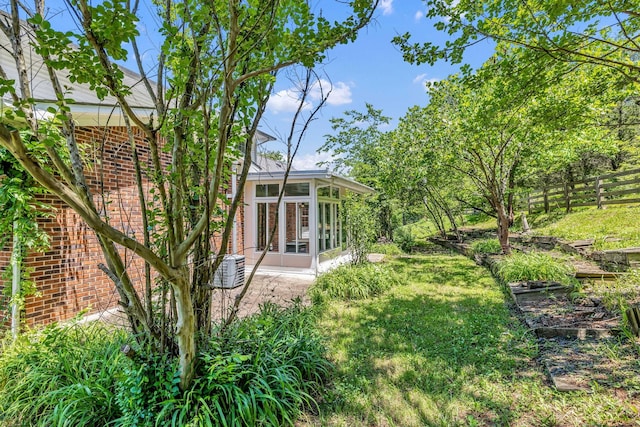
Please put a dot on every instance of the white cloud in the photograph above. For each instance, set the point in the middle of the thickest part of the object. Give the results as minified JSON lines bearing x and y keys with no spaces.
{"x":419,"y":78}
{"x":310,"y":161}
{"x":418,"y":16}
{"x":285,"y":101}
{"x":422,"y":79}
{"x":386,"y":6}
{"x":340,"y":92}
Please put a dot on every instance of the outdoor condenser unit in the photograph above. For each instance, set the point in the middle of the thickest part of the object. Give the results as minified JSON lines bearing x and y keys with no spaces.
{"x":230,"y":274}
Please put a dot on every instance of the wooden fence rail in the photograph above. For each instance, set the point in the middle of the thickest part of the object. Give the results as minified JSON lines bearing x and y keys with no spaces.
{"x":599,"y":191}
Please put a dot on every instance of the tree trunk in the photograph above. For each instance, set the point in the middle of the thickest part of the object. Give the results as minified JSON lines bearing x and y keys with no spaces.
{"x":503,"y":230}
{"x":511,"y":186}
{"x":185,"y":330}
{"x":436,"y":217}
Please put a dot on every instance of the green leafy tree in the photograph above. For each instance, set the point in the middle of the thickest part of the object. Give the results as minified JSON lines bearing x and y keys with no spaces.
{"x":355,"y":143}
{"x":395,"y":164}
{"x":578,"y":32}
{"x":418,"y":175}
{"x":213,"y":75}
{"x":359,"y":146}
{"x":509,"y":120}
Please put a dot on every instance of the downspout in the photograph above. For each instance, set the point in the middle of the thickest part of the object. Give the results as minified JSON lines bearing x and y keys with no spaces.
{"x":15,"y":283}
{"x":313,"y":226}
{"x":234,"y":229}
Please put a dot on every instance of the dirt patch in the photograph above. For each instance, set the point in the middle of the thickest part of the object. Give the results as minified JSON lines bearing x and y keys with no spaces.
{"x":281,"y":289}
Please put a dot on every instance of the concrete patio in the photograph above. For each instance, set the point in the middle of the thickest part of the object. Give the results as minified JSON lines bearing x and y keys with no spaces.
{"x":279,"y":285}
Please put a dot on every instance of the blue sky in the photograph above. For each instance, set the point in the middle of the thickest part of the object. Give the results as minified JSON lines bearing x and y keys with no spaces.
{"x":370,"y":70}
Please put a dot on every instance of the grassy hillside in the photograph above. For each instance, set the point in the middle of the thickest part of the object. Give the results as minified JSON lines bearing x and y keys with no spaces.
{"x":611,"y":228}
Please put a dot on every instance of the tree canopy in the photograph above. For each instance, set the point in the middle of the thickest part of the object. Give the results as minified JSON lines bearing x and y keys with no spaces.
{"x":582,"y":32}
{"x":208,"y":89}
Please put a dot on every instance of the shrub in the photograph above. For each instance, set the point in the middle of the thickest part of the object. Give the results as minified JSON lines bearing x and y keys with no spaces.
{"x":61,"y":375}
{"x":261,"y":371}
{"x":386,"y":249}
{"x":404,"y":238}
{"x":486,"y":246}
{"x":361,"y":225}
{"x":537,"y":266}
{"x":353,"y":282}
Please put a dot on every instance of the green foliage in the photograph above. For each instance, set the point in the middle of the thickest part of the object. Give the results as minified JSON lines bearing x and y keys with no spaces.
{"x":618,"y":295}
{"x":273,"y":155}
{"x":405,"y":238}
{"x":61,"y":376}
{"x":415,"y":235}
{"x":480,"y":220}
{"x":144,"y":387}
{"x":356,"y":140}
{"x":20,"y":211}
{"x":589,"y":31}
{"x":486,"y":246}
{"x":361,"y":226}
{"x":261,"y":371}
{"x":386,"y":249}
{"x":353,"y":282}
{"x":534,"y":266}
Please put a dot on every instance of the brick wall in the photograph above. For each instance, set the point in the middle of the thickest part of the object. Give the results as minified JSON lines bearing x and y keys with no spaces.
{"x":67,"y":275}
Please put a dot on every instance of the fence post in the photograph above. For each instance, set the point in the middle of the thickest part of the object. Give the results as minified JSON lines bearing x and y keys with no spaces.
{"x":567,"y":198}
{"x":599,"y":192}
{"x":545,"y":192}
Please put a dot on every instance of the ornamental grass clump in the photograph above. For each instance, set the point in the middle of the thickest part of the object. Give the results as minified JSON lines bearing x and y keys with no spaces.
{"x":262,"y":370}
{"x":352,"y":282}
{"x":486,"y":246}
{"x":535,"y":266}
{"x":61,"y":375}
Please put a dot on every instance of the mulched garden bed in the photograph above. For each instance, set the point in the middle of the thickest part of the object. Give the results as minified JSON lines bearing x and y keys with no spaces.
{"x":581,"y":364}
{"x":550,"y":310}
{"x":560,"y":311}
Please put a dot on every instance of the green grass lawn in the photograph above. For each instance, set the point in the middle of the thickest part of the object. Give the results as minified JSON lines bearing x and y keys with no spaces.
{"x":443,"y":349}
{"x":611,"y":228}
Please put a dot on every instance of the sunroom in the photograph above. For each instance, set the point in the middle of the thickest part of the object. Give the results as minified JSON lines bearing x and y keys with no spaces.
{"x":308,"y":224}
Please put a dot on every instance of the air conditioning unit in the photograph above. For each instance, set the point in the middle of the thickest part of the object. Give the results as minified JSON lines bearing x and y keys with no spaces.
{"x":230,"y":273}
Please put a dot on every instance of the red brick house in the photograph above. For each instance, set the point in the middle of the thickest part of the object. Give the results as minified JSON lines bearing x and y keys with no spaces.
{"x":67,"y":275}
